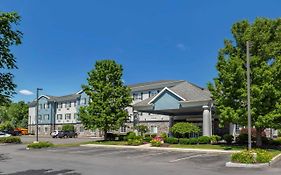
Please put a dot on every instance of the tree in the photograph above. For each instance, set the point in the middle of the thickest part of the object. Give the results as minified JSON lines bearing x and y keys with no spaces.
{"x":184,"y":129}
{"x":108,"y":98}
{"x":14,"y":114}
{"x":229,"y":90}
{"x":8,"y":38}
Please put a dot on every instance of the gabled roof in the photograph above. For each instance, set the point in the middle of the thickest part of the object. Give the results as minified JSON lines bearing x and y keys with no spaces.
{"x":154,"y":85}
{"x":163,"y":91}
{"x":187,"y":91}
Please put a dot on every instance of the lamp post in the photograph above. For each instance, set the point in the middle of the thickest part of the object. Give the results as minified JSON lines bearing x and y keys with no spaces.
{"x":37,"y":111}
{"x":248,"y":97}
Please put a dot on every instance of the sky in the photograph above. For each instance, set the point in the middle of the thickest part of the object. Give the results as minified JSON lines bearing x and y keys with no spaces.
{"x":152,"y":39}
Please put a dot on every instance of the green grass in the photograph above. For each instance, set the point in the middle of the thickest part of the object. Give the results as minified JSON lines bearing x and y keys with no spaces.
{"x":208,"y":146}
{"x":274,"y":152}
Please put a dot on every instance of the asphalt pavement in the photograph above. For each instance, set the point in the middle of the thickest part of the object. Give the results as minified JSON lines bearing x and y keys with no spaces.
{"x":15,"y":159}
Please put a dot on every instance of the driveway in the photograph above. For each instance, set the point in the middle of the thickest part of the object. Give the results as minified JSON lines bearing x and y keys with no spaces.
{"x":14,"y":159}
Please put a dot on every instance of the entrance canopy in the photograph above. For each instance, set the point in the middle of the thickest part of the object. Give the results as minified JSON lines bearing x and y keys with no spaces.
{"x":182,"y":100}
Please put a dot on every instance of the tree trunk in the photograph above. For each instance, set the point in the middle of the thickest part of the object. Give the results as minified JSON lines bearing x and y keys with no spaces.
{"x":258,"y":137}
{"x":105,"y":134}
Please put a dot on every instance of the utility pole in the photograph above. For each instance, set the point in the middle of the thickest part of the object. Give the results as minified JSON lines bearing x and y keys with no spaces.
{"x":37,"y":111}
{"x":248,"y":97}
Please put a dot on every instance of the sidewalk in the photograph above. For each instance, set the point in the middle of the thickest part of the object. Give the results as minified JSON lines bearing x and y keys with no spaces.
{"x":147,"y":146}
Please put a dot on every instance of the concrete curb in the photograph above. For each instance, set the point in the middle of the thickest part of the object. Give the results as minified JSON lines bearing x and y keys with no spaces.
{"x":161,"y":148}
{"x":258,"y":165}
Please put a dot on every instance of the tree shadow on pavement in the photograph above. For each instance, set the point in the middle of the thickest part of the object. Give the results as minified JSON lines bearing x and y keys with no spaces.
{"x":44,"y":172}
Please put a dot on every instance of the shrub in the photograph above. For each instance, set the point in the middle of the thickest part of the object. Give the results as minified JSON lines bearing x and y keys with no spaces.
{"x":153,"y":135}
{"x":243,"y":157}
{"x":68,"y":127}
{"x":147,"y":139}
{"x":40,"y":145}
{"x":193,"y":141}
{"x":228,"y":138}
{"x":135,"y":142}
{"x":215,"y":138}
{"x":242,"y":138}
{"x":275,"y":142}
{"x":122,"y":137}
{"x":111,"y":136}
{"x":131,"y":135}
{"x":171,"y":140}
{"x":163,"y":135}
{"x":184,"y":141}
{"x":155,"y":143}
{"x":246,"y":156}
{"x":184,"y":129}
{"x":11,"y":139}
{"x":203,"y":139}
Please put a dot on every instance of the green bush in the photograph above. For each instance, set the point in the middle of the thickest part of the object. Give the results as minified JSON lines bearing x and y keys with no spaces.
{"x":68,"y":127}
{"x":193,"y":141}
{"x":163,"y":135}
{"x":135,"y":142}
{"x":242,"y":138}
{"x":153,"y":135}
{"x":243,"y":157}
{"x":246,"y":156}
{"x":11,"y":139}
{"x":228,"y":138}
{"x":184,"y":141}
{"x":184,"y":129}
{"x":155,"y":143}
{"x":171,"y":140}
{"x":122,"y":137}
{"x":215,"y":138}
{"x":275,"y":142}
{"x":131,"y":135}
{"x":147,"y":139}
{"x":141,"y":128}
{"x":203,"y":140}
{"x":40,"y":145}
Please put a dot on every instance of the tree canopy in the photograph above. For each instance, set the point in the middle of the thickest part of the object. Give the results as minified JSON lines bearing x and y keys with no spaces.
{"x":229,"y":90}
{"x":14,"y":115}
{"x":8,"y":37}
{"x":108,"y":97}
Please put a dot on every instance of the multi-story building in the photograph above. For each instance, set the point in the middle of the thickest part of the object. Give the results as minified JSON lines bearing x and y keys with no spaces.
{"x":156,"y":104}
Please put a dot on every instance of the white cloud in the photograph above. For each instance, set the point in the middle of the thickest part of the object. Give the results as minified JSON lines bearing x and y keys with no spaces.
{"x":181,"y":46}
{"x":25,"y":92}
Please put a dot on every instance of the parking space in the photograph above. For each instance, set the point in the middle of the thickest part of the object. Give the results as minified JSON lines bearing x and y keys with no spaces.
{"x":143,"y":154}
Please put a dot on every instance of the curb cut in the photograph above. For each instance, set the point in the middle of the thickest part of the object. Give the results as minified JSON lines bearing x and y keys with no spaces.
{"x":258,"y":165}
{"x":163,"y":149}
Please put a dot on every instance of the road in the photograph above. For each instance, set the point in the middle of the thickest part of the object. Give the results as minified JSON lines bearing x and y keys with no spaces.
{"x":15,"y":159}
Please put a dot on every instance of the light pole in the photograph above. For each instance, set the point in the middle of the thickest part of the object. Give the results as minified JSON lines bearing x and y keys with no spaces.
{"x":37,"y":111}
{"x":248,"y":97}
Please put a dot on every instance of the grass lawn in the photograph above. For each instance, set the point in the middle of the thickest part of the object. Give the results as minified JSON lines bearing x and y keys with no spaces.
{"x":209,"y":146}
{"x":108,"y":142}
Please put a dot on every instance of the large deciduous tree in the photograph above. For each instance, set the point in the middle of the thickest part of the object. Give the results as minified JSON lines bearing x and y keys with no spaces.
{"x":8,"y":37}
{"x":229,"y":90}
{"x":108,"y":98}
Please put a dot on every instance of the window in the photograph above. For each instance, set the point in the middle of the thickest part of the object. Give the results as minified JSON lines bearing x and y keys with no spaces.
{"x":68,"y":104}
{"x":46,"y":117}
{"x":39,"y":117}
{"x":153,"y":129}
{"x":123,"y":129}
{"x":141,"y":96}
{"x":135,"y":96}
{"x":74,"y":103}
{"x":59,"y":105}
{"x":59,"y":116}
{"x":83,"y":101}
{"x":149,"y":94}
{"x":78,"y":102}
{"x":67,"y":116}
{"x":46,"y":129}
{"x":46,"y":106}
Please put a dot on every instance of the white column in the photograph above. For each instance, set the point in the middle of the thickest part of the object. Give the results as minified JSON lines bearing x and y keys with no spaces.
{"x":206,"y":121}
{"x":211,"y":122}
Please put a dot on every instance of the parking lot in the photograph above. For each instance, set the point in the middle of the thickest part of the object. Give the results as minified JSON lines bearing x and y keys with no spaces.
{"x":118,"y":161}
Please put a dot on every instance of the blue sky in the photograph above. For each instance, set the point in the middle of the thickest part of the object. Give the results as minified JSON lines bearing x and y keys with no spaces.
{"x":153,"y":40}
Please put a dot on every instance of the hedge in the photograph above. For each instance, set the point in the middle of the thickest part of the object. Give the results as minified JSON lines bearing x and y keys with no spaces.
{"x":248,"y":157}
{"x":171,"y":140}
{"x":40,"y":145}
{"x":11,"y":139}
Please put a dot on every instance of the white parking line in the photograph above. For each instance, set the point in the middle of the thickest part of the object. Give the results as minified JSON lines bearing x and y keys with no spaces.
{"x":185,"y":158}
{"x":147,"y":155}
